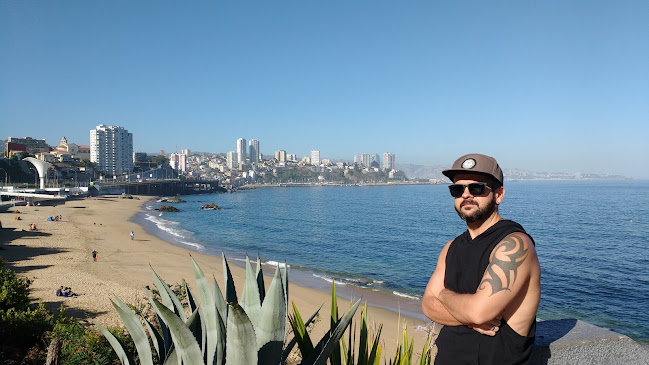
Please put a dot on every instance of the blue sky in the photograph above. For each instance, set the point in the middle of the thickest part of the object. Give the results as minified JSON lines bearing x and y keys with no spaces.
{"x":560,"y":86}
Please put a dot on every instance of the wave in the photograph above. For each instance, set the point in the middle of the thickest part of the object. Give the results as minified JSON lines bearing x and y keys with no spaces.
{"x":281,"y":265}
{"x":329,"y":279}
{"x":399,"y":294}
{"x":169,"y":227}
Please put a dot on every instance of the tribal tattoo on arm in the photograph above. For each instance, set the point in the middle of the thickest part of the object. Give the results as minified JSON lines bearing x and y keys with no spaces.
{"x":508,"y":256}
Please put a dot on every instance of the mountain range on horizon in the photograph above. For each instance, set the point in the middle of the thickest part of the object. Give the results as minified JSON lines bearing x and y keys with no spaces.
{"x":435,"y":172}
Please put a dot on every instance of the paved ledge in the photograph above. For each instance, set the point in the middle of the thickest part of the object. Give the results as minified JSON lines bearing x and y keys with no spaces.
{"x":571,"y":341}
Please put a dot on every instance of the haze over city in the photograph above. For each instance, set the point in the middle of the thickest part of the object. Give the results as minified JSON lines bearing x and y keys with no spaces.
{"x":552,"y":86}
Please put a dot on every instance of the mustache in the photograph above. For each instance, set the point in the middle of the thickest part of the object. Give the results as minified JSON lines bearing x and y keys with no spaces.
{"x":467,"y":202}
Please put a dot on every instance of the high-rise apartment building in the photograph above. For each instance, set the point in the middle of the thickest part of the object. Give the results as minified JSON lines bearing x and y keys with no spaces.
{"x":280,"y":156}
{"x":254,"y":151}
{"x":315,"y":158}
{"x":388,"y":161}
{"x":178,"y":162}
{"x":241,"y":150}
{"x":111,"y":149}
{"x":232,"y":160}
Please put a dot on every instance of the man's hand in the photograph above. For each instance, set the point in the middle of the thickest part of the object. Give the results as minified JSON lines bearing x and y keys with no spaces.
{"x":490,"y":328}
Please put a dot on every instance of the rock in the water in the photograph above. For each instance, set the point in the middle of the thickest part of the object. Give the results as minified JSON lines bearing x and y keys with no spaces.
{"x":168,"y":208}
{"x":175,"y":199}
{"x":211,"y":206}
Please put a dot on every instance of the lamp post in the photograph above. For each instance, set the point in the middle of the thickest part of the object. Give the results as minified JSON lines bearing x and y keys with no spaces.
{"x":35,"y":177}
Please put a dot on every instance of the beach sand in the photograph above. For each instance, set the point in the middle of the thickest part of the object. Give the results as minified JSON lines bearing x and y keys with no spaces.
{"x":60,"y":254}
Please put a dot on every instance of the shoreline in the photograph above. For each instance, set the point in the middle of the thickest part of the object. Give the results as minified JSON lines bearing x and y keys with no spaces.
{"x":58,"y":253}
{"x":307,"y":277}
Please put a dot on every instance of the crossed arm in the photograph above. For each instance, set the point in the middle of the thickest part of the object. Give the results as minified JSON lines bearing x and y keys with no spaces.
{"x":506,"y":276}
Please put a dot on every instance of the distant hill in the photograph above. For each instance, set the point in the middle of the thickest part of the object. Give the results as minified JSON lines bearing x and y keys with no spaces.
{"x":422,"y":172}
{"x":435,"y":172}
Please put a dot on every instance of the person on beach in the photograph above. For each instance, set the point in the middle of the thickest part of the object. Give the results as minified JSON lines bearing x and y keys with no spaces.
{"x":59,"y":291}
{"x":94,"y":255}
{"x":132,"y":235}
{"x":486,"y":287}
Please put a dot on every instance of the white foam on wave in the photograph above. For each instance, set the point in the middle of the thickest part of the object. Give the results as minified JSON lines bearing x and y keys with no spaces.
{"x":405,"y":295}
{"x":281,"y":265}
{"x":329,"y":279}
{"x":168,"y":227}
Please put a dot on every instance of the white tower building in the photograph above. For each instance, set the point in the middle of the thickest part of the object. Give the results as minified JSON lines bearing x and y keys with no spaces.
{"x":388,"y":161}
{"x":254,"y":151}
{"x":241,"y":150}
{"x":315,"y":158}
{"x":111,"y":149}
{"x":232,"y":160}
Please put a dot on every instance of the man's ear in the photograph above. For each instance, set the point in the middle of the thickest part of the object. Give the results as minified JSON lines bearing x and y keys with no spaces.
{"x":500,"y":194}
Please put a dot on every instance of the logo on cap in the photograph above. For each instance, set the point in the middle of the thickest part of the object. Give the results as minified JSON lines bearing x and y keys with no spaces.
{"x":469,"y":163}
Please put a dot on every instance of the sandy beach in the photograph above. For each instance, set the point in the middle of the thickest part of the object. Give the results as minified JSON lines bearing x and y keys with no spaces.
{"x":59,"y":253}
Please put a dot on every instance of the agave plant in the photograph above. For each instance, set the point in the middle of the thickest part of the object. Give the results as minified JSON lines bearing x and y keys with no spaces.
{"x":221,"y":329}
{"x":340,"y":354}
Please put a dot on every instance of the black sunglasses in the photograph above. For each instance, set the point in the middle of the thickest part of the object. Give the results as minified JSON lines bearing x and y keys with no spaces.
{"x":475,"y":189}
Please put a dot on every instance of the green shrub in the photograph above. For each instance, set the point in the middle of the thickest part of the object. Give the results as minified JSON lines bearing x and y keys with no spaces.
{"x":21,"y":327}
{"x":82,"y":345}
{"x":14,"y":290}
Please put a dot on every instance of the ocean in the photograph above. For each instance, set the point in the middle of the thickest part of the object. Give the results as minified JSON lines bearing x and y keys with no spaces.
{"x":592,"y":239}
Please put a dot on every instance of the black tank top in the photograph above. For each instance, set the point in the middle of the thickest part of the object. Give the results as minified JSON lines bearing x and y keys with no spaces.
{"x":466,"y":262}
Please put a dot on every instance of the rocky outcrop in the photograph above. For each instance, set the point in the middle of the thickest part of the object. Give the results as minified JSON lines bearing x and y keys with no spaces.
{"x":211,"y":206}
{"x":168,"y":208}
{"x":173,"y":200}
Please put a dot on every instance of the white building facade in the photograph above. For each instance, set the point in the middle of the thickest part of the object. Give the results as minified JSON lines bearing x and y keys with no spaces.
{"x":388,"y":161}
{"x":232,"y":160}
{"x":254,"y":151}
{"x":111,"y":149}
{"x":178,"y":162}
{"x":315,"y":158}
{"x":241,"y":150}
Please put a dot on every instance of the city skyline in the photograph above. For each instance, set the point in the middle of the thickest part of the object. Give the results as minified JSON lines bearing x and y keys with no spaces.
{"x":552,"y":86}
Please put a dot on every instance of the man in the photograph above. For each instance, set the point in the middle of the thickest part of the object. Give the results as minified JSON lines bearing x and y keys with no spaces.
{"x":486,"y":287}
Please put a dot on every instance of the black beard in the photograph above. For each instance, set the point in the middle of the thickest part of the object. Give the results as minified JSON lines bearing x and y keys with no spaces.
{"x":481,"y":214}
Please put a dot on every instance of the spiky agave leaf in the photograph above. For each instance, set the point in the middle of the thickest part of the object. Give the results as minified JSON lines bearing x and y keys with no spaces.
{"x":326,"y":345}
{"x":335,"y":358}
{"x":260,"y":280}
{"x":156,"y":338}
{"x":184,"y":341}
{"x":250,"y":300}
{"x":271,"y":329}
{"x":209,"y":311}
{"x":172,"y":357}
{"x":165,"y":297}
{"x":362,"y":338}
{"x":135,"y":329}
{"x":123,"y":356}
{"x":241,"y":341}
{"x":230,"y":290}
{"x":375,"y":353}
{"x":302,"y":337}
{"x":166,"y":335}
{"x":291,"y":344}
{"x":193,"y":306}
{"x":221,"y":306}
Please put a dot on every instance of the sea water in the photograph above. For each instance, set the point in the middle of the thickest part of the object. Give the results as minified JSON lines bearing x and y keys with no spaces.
{"x":592,"y":239}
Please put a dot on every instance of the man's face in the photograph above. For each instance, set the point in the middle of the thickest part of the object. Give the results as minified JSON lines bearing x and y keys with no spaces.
{"x":475,"y":208}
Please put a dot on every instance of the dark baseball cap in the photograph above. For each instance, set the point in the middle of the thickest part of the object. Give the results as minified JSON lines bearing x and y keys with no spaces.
{"x":475,"y":163}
